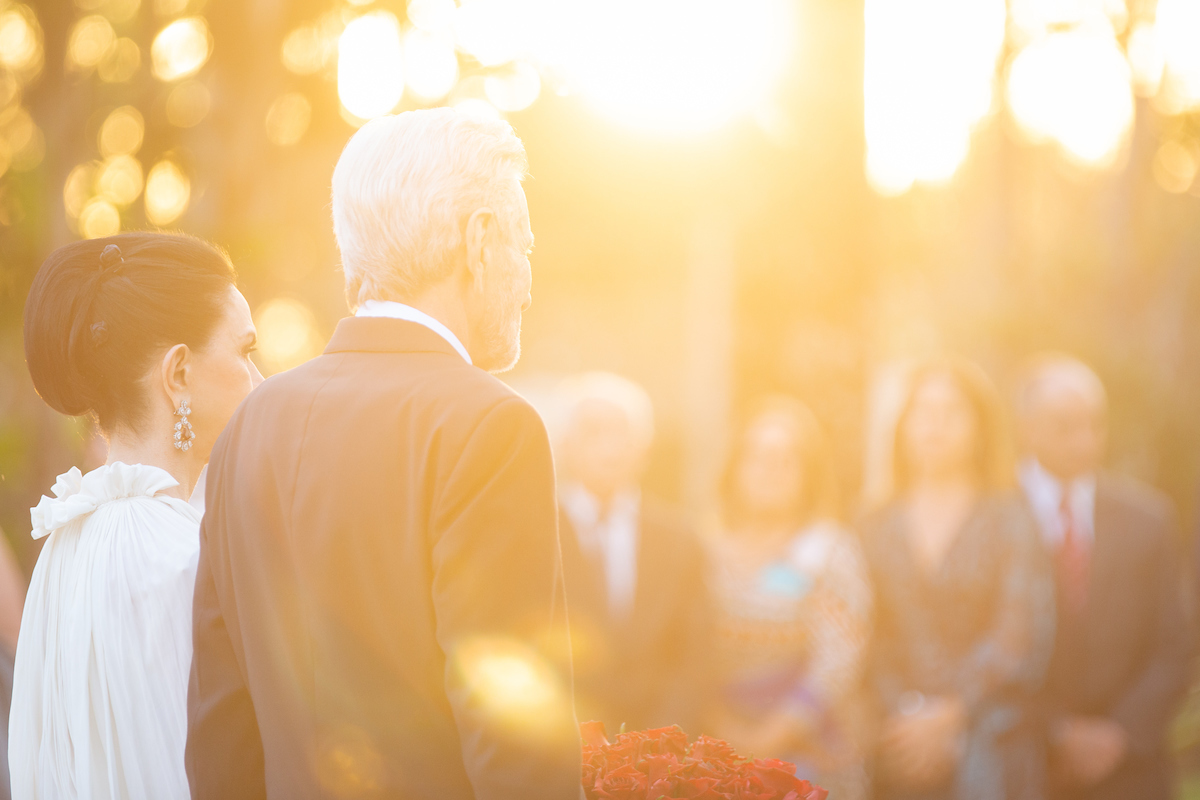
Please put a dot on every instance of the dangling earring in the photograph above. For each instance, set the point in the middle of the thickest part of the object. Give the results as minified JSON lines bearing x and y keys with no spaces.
{"x":183,"y":429}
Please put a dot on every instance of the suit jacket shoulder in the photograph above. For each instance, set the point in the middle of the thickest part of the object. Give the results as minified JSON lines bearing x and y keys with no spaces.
{"x":1137,"y":501}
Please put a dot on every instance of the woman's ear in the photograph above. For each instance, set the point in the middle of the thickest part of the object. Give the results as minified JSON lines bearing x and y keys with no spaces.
{"x":177,"y":374}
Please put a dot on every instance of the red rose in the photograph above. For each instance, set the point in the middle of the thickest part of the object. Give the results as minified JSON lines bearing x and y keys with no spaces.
{"x":669,"y":740}
{"x":623,"y":783}
{"x":706,"y":748}
{"x":593,"y":734}
{"x":658,"y":764}
{"x":780,"y":778}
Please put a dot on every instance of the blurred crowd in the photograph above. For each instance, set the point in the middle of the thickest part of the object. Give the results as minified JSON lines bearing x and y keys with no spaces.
{"x":998,"y":618}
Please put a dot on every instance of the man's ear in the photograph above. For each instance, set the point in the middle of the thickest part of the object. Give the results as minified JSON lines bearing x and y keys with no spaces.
{"x":177,"y":373}
{"x":479,"y":255}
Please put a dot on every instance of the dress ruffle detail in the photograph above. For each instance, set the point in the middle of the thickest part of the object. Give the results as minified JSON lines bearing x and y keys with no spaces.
{"x":76,"y":495}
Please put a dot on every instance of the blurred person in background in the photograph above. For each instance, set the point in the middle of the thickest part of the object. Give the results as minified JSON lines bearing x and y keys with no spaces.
{"x":633,"y":568}
{"x":792,"y":604}
{"x":964,"y":601}
{"x":1120,"y":664}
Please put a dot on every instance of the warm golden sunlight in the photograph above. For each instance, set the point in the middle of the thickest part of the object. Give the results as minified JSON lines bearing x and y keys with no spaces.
{"x":928,"y":81}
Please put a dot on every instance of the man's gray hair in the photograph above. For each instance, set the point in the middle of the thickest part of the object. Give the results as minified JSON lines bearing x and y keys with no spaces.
{"x":1051,"y":372}
{"x":403,"y":190}
{"x":613,"y":389}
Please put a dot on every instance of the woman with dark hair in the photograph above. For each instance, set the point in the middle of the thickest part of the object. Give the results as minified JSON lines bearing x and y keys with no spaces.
{"x":792,"y":604}
{"x":964,"y":601}
{"x":147,"y":333}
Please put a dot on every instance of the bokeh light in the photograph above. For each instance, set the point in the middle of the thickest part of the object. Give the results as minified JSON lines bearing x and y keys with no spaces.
{"x":167,"y":193}
{"x":475,"y":107}
{"x":89,"y":41}
{"x":170,"y":8}
{"x":514,"y":87}
{"x":18,"y":130}
{"x":122,"y":132}
{"x":304,"y":50}
{"x":180,"y":49}
{"x":371,"y":65}
{"x":99,"y":218}
{"x":1074,"y":88}
{"x":20,"y":41}
{"x":121,"y":63}
{"x":1178,"y":29}
{"x":116,"y":10}
{"x":493,"y":32}
{"x":674,"y":66}
{"x":287,"y":334}
{"x":120,"y":180}
{"x":1175,"y":166}
{"x":77,"y":189}
{"x":188,"y":104}
{"x":1034,"y":19}
{"x":928,"y":74}
{"x":430,"y":63}
{"x":288,"y":118}
{"x":10,"y":93}
{"x":510,"y":681}
{"x":436,"y":16}
{"x":26,"y":144}
{"x":1146,"y":61}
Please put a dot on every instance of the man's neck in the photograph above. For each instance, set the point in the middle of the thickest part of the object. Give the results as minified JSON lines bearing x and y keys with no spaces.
{"x":443,"y":301}
{"x":1064,"y":480}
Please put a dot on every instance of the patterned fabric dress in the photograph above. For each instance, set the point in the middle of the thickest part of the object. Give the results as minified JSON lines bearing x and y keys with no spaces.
{"x":791,"y":634}
{"x":980,"y":627}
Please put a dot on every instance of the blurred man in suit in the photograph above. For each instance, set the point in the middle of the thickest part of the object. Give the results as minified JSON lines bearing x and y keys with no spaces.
{"x":1120,"y":663}
{"x":633,"y":569}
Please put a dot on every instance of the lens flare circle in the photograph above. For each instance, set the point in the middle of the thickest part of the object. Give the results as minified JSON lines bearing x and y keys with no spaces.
{"x":168,"y":192}
{"x":1074,"y":88}
{"x":927,"y":83}
{"x":675,"y":66}
{"x":180,"y":49}
{"x":370,"y":70}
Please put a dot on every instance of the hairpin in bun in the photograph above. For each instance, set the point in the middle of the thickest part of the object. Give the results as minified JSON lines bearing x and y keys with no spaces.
{"x":111,"y":258}
{"x":99,"y":333}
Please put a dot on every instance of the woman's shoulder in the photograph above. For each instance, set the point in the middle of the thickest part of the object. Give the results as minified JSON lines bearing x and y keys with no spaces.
{"x":78,"y":496}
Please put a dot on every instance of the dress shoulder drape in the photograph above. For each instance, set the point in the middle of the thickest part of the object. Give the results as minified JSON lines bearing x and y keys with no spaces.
{"x":100,"y":684}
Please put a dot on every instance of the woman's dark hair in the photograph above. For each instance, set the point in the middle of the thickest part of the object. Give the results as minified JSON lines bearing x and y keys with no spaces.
{"x":100,"y":309}
{"x":993,"y":461}
{"x":819,"y":495}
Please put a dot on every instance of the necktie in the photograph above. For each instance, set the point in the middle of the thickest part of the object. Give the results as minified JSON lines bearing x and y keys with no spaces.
{"x":1073,"y":561}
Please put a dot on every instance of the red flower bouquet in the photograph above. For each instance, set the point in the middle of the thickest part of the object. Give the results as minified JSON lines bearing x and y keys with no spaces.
{"x":660,"y":763}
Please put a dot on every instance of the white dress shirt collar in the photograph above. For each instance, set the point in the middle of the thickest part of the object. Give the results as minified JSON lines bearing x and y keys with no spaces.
{"x":394,"y":310}
{"x":1045,"y":493}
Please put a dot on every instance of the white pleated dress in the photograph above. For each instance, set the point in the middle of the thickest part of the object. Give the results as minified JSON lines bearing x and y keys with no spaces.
{"x":99,"y":705}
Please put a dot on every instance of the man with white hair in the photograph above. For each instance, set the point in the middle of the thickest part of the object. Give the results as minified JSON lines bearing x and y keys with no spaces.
{"x":634,"y":570}
{"x":379,"y":606}
{"x":1120,"y":662}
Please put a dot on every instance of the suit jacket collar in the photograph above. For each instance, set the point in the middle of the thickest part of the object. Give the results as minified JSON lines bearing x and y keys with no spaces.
{"x":387,"y":335}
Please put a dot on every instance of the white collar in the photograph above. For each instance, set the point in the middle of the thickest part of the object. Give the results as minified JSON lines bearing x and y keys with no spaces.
{"x":394,"y":310}
{"x":1046,"y":492}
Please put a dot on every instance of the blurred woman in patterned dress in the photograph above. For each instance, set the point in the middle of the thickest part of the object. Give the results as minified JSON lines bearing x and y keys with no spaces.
{"x":964,"y":601}
{"x":792,"y":604}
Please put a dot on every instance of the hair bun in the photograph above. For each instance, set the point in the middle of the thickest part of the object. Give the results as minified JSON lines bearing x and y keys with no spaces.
{"x":111,"y":258}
